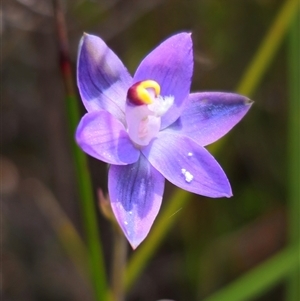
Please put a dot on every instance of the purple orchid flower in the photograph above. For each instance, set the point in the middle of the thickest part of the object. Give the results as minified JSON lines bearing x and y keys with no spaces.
{"x":150,"y":128}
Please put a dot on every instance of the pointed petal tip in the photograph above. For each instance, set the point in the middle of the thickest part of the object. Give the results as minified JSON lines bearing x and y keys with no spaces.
{"x":187,"y":33}
{"x":134,"y":244}
{"x":229,"y":195}
{"x":84,"y":36}
{"x":249,"y":101}
{"x":137,"y":236}
{"x":134,"y":239}
{"x":226,"y":193}
{"x":222,"y":194}
{"x":83,"y":40}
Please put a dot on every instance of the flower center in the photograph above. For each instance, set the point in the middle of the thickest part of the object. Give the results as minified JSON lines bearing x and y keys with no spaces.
{"x":140,"y":92}
{"x":144,"y":108}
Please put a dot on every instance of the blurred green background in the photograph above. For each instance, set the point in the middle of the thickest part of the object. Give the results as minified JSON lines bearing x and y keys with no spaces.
{"x":213,"y":241}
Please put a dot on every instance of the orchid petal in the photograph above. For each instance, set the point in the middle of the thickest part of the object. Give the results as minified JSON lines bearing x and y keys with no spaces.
{"x":135,"y":193}
{"x":103,"y":137}
{"x":102,"y":78}
{"x":210,"y":115}
{"x":187,"y":165}
{"x":171,"y":66}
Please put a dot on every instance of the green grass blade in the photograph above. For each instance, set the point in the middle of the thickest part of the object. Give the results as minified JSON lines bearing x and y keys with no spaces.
{"x":265,"y":54}
{"x":260,"y":279}
{"x":88,"y":206}
{"x":95,"y":257}
{"x":293,"y":288}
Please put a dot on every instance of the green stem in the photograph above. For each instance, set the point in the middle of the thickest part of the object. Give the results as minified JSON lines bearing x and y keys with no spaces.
{"x":266,"y":52}
{"x":119,"y":263}
{"x":293,"y":289}
{"x":260,"y":279}
{"x":247,"y":86}
{"x":95,"y":256}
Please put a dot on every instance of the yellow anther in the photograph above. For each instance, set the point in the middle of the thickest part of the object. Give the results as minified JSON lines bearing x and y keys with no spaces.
{"x":139,"y":93}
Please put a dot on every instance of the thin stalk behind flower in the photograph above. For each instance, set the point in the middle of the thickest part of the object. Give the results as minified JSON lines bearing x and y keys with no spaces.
{"x":119,"y":257}
{"x":118,"y":264}
{"x":97,"y":268}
